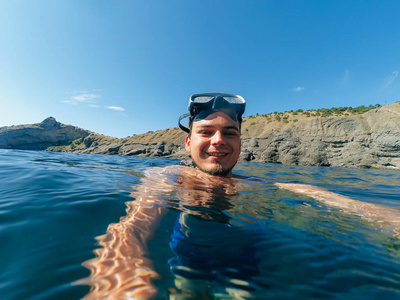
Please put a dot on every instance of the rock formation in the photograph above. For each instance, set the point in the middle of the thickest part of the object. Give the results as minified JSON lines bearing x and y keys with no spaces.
{"x":368,"y":140}
{"x":39,"y":136}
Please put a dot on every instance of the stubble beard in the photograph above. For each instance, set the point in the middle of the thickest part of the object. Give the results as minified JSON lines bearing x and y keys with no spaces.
{"x":217,"y":171}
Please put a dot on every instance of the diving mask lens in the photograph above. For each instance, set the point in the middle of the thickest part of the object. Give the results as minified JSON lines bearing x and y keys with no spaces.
{"x":207,"y":103}
{"x":207,"y":98}
{"x":202,"y":99}
{"x":235,"y":100}
{"x":202,"y":105}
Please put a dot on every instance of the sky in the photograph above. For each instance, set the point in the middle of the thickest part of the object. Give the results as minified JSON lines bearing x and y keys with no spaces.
{"x":125,"y":67}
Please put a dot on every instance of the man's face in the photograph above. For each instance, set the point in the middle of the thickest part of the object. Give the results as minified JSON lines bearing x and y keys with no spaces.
{"x":214,"y":144}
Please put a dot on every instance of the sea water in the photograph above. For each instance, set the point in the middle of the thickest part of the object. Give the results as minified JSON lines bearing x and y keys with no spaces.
{"x":54,"y":205}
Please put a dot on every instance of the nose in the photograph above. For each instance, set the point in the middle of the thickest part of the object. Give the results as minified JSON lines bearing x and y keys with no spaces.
{"x":218,"y":138}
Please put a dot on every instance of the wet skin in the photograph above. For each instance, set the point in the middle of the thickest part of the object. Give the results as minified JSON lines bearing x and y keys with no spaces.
{"x":214,"y":144}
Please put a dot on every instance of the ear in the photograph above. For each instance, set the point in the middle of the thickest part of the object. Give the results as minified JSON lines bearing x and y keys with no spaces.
{"x":187,"y":144}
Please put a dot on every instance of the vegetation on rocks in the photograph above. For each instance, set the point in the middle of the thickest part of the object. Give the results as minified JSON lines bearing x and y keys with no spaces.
{"x":321,"y":112}
{"x":365,"y":136}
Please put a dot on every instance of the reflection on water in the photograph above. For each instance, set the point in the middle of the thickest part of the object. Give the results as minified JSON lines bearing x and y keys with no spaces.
{"x":239,"y":239}
{"x":175,"y":235}
{"x":202,"y":239}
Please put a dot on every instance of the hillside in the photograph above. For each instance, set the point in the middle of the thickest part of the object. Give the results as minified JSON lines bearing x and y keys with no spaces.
{"x":367,"y":140}
{"x":345,"y":137}
{"x":39,"y":136}
{"x":365,"y":137}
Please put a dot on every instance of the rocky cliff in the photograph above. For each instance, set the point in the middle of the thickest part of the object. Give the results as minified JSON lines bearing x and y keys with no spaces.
{"x":367,"y":140}
{"x":39,"y":136}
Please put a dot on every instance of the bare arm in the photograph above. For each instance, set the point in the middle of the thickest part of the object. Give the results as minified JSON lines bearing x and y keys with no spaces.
{"x":369,"y":211}
{"x":122,"y":268}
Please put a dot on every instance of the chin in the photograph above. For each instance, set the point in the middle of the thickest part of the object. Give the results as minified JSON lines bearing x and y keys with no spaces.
{"x":217,"y":170}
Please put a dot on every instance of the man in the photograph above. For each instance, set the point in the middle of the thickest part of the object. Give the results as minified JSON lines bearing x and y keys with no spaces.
{"x":213,"y":139}
{"x":122,"y":268}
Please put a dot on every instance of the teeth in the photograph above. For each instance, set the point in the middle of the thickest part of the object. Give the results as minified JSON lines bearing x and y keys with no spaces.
{"x":217,"y":154}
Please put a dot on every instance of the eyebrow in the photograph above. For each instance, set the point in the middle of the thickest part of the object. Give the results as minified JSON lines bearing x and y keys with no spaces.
{"x":225,"y":127}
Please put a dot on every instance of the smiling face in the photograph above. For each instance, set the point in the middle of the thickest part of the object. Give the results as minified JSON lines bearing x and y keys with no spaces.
{"x":214,"y":144}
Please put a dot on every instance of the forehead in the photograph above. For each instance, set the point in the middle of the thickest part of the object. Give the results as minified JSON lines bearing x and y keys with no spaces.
{"x":217,"y":119}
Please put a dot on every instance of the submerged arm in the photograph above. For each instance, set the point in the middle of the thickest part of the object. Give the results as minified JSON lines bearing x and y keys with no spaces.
{"x":122,"y":267}
{"x":369,"y":211}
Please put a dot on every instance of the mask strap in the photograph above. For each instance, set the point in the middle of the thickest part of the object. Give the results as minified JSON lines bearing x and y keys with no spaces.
{"x":180,"y":125}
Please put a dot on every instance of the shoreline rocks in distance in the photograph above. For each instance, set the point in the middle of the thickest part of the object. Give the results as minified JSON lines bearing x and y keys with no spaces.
{"x":367,"y":140}
{"x":39,"y":136}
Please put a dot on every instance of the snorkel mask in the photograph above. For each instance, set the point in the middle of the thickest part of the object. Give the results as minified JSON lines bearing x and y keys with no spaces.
{"x":202,"y":105}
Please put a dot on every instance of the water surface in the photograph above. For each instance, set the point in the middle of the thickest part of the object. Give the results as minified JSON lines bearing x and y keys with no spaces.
{"x":284,"y":245}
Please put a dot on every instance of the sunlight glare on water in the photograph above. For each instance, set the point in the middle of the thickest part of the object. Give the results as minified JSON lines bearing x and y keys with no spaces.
{"x":253,"y":241}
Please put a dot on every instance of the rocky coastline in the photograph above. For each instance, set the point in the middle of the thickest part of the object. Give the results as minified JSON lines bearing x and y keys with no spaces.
{"x":40,"y":136}
{"x":366,"y":140}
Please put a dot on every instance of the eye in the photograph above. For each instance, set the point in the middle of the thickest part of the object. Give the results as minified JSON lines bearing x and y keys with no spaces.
{"x":231,"y":133}
{"x":205,"y":132}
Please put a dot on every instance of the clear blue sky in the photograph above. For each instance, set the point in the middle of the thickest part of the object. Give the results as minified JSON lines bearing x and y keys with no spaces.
{"x":126,"y":67}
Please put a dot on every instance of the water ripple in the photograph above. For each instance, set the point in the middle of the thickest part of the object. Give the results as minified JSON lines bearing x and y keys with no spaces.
{"x":257,"y":241}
